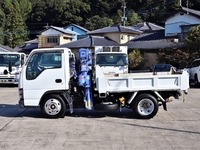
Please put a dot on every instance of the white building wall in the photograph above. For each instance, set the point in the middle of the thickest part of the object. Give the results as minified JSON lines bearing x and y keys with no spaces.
{"x":172,"y":25}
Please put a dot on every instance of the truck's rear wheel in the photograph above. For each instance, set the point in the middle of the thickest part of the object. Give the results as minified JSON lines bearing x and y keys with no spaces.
{"x":145,"y":106}
{"x":109,"y":106}
{"x":53,"y":106}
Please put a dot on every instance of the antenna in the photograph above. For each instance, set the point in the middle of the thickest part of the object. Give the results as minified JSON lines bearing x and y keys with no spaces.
{"x":124,"y":18}
{"x":47,"y":26}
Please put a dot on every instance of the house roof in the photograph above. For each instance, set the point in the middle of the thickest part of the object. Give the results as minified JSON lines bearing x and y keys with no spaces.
{"x":77,"y":26}
{"x":32,"y":41}
{"x":115,"y":29}
{"x":147,"y":26}
{"x":30,"y":46}
{"x":90,"y":42}
{"x":193,"y":12}
{"x":154,"y":44}
{"x":6,"y":48}
{"x":60,"y":29}
{"x":155,"y":40}
{"x":150,"y":36}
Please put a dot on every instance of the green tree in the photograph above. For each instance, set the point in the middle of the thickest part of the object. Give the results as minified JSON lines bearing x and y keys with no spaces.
{"x":2,"y":24}
{"x":175,"y":57}
{"x":25,"y":8}
{"x":57,"y":13}
{"x":15,"y":28}
{"x":96,"y":22}
{"x":135,"y":59}
{"x":192,"y":41}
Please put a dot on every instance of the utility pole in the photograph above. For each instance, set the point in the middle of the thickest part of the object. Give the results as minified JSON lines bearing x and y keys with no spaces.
{"x":187,"y":7}
{"x":124,"y":18}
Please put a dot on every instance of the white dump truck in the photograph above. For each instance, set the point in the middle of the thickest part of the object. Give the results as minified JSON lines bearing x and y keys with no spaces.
{"x":51,"y":80}
{"x":10,"y":66}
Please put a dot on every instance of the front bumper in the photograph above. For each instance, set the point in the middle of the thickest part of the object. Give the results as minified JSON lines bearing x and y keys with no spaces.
{"x":8,"y":81}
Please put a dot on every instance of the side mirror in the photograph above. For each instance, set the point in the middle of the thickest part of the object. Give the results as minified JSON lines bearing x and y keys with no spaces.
{"x":10,"y":66}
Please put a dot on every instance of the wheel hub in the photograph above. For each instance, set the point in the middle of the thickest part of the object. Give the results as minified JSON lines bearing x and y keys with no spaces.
{"x":145,"y":107}
{"x":52,"y":107}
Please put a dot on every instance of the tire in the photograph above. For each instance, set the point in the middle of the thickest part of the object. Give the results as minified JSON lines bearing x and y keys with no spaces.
{"x":53,"y":106}
{"x":142,"y":101}
{"x":106,"y":106}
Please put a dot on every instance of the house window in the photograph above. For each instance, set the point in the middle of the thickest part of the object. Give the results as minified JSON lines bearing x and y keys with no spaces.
{"x":81,"y":36}
{"x":72,"y":29}
{"x":52,"y":40}
{"x":66,"y":38}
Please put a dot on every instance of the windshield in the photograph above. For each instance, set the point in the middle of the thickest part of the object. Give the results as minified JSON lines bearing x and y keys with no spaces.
{"x":111,"y":59}
{"x":162,"y":67}
{"x":5,"y":58}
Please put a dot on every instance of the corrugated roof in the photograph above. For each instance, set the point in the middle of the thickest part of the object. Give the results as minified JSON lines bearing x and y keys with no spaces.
{"x":115,"y":29}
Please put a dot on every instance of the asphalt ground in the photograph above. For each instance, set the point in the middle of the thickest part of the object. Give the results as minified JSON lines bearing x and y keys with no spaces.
{"x":178,"y":128}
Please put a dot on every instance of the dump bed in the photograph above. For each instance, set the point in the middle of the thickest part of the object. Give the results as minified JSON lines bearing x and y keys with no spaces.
{"x":141,"y":81}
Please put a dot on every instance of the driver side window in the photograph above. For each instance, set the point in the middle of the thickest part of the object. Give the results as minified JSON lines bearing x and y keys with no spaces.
{"x":40,"y":62}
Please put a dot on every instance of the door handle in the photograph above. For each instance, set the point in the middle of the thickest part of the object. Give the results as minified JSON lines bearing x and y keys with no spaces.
{"x":58,"y":80}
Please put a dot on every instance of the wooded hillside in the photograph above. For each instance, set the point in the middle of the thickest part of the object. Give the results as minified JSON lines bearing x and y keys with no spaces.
{"x":22,"y":19}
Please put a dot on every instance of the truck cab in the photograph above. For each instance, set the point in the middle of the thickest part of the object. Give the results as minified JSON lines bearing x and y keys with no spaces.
{"x":45,"y":70}
{"x":10,"y":66}
{"x":111,"y":59}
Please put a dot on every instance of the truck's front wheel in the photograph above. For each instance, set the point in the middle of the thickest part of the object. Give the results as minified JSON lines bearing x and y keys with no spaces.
{"x":53,"y":106}
{"x":145,"y":106}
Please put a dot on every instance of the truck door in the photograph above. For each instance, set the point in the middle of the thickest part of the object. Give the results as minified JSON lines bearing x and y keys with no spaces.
{"x":44,"y":72}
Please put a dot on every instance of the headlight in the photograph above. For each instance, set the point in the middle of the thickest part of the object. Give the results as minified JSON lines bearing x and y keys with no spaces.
{"x":13,"y":69}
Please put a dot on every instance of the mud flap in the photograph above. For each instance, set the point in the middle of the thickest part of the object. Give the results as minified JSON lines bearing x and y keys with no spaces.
{"x":69,"y":100}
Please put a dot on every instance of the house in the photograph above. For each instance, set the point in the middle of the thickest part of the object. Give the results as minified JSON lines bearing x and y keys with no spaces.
{"x":123,"y":36}
{"x":117,"y":33}
{"x":108,"y":36}
{"x":89,"y":43}
{"x":146,"y":36}
{"x":181,"y":22}
{"x":29,"y":46}
{"x":54,"y":36}
{"x":79,"y":32}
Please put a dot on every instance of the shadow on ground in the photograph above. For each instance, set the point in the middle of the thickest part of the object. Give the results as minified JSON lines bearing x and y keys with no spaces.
{"x":8,"y":110}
